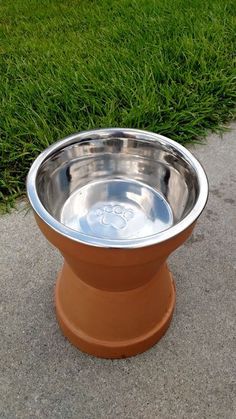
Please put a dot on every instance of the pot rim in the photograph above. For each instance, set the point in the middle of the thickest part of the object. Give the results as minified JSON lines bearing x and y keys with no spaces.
{"x":83,"y":238}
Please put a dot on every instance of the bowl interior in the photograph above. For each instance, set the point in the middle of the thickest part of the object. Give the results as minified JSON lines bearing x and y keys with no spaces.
{"x":118,"y":188}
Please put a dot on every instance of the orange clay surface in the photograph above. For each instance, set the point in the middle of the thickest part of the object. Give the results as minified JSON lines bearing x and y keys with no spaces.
{"x":114,"y":303}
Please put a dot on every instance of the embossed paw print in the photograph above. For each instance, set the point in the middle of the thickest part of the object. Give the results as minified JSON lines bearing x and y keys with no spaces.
{"x":115,"y":216}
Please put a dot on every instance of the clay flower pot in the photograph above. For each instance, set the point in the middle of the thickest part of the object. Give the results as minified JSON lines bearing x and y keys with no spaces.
{"x":116,"y":203}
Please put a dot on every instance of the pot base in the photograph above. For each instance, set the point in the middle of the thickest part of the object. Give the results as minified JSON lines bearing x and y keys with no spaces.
{"x":114,"y":324}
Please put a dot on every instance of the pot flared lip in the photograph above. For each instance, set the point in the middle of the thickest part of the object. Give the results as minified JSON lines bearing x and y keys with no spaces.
{"x":107,"y":133}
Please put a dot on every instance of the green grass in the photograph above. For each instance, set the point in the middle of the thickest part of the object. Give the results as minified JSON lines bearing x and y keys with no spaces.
{"x":65,"y":66}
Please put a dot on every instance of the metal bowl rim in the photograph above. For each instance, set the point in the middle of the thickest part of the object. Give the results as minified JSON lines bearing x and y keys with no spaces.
{"x":76,"y":236}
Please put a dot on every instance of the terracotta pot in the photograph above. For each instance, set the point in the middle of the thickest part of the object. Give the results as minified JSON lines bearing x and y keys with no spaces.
{"x":116,"y":203}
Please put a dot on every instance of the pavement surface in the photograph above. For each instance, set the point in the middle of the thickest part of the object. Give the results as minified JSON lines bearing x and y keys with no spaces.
{"x":190,"y":373}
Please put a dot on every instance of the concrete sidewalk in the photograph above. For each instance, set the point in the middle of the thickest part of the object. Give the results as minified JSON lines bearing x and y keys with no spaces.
{"x":190,"y":373}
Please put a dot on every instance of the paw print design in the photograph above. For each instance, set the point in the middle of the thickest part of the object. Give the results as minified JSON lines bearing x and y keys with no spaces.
{"x":115,"y":216}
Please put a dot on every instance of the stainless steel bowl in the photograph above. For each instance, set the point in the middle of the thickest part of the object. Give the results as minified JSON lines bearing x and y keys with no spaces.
{"x":119,"y":188}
